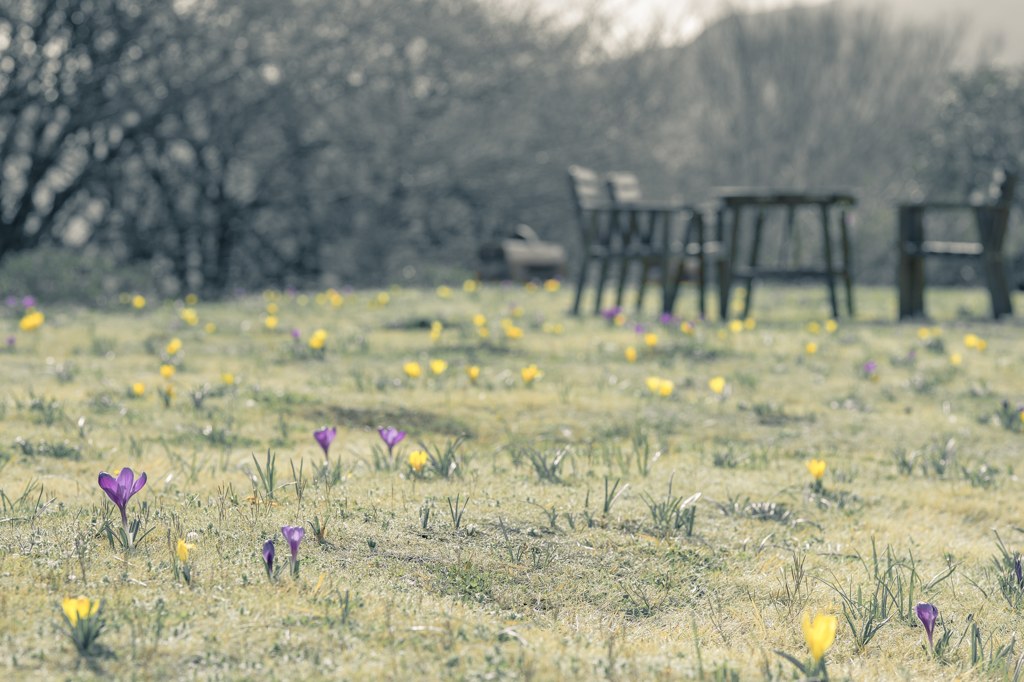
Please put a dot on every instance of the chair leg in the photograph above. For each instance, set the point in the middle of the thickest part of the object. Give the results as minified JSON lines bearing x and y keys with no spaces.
{"x":620,"y":290}
{"x":904,"y":277}
{"x":580,"y":282}
{"x":998,"y":285}
{"x":602,"y":277}
{"x":917,"y":262}
{"x":645,"y":273}
{"x":992,"y":228}
{"x":830,"y":275}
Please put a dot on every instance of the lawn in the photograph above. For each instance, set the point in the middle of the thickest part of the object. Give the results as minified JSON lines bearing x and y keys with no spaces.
{"x":610,"y":513}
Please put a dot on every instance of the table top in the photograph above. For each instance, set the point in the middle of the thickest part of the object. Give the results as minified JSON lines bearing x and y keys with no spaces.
{"x":772,"y":196}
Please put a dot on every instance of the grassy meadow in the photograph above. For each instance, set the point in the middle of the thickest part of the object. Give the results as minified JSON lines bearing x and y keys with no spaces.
{"x":645,"y":514}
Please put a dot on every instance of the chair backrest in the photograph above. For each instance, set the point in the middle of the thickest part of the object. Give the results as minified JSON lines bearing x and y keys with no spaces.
{"x":623,"y":188}
{"x":585,"y":188}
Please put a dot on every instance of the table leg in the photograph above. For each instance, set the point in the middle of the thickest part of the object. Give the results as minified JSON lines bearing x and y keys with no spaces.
{"x":829,"y":270}
{"x":844,"y":236}
{"x":729,"y":233}
{"x":698,"y":219}
{"x":755,"y":248}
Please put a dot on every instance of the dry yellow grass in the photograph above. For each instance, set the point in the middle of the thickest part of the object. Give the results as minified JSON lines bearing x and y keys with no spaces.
{"x":538,"y":582}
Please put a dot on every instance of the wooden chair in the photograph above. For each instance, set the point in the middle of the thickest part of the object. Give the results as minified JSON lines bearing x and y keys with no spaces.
{"x":599,"y":238}
{"x":650,"y":236}
{"x":992,"y":218}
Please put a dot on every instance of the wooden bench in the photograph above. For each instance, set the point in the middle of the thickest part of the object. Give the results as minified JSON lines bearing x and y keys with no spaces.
{"x":991,"y":218}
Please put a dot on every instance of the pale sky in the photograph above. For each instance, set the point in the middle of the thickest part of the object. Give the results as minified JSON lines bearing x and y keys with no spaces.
{"x":687,"y":17}
{"x":990,"y":29}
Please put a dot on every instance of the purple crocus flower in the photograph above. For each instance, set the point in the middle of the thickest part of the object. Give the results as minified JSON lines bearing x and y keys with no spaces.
{"x":296,"y":334}
{"x":268,"y":557}
{"x":639,"y":328}
{"x":611,"y":313}
{"x":927,"y":613}
{"x":28,"y":302}
{"x":325,"y":437}
{"x":391,"y":437}
{"x":870,"y":367}
{"x":294,"y":535}
{"x":11,"y":301}
{"x":667,"y":318}
{"x":121,"y":489}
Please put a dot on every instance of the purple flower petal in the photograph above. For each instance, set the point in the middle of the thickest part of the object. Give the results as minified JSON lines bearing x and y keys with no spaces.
{"x":139,"y":484}
{"x":294,"y":535}
{"x":391,"y":436}
{"x":268,"y":556}
{"x":927,"y":613}
{"x":109,"y":485}
{"x":124,"y":482}
{"x":325,"y":437}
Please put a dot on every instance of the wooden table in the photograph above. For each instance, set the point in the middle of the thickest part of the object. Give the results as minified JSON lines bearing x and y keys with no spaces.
{"x":735,"y":202}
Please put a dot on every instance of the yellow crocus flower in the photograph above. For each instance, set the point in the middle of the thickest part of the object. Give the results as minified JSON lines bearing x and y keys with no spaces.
{"x":138,"y":389}
{"x":811,"y":348}
{"x":173,"y":346}
{"x":630,"y":354}
{"x":717,"y":385}
{"x":79,"y":608}
{"x":412,"y":370}
{"x":530,"y":373}
{"x":819,"y":633}
{"x":182,"y":551}
{"x":138,"y":301}
{"x":417,"y":460}
{"x":167,"y":371}
{"x":816,"y":467}
{"x":438,"y":366}
{"x":33,"y":320}
{"x":651,"y":339}
{"x":473,"y":372}
{"x":318,"y":339}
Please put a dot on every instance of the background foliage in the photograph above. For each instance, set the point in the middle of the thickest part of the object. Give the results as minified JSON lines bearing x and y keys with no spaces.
{"x":215,"y":145}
